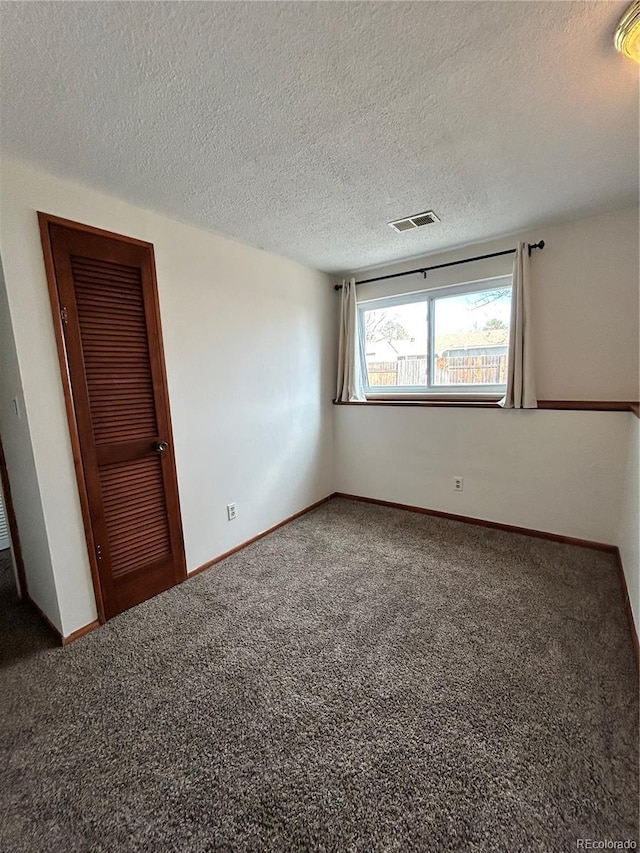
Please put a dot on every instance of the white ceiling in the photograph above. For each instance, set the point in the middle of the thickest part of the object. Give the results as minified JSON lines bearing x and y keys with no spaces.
{"x":303,"y":128}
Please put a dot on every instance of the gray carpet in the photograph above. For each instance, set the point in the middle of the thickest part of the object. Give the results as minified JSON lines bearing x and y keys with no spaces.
{"x":362,"y":679}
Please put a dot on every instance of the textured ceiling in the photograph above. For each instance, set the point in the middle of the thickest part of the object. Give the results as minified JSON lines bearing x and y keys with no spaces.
{"x":303,"y":128}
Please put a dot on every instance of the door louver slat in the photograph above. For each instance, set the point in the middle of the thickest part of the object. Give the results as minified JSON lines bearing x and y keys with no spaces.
{"x":104,"y":359}
{"x":115,"y":348}
{"x":129,"y":504}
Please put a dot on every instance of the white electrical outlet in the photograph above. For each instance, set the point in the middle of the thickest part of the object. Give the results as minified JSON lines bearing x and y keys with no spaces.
{"x":458,"y":484}
{"x":232,"y":511}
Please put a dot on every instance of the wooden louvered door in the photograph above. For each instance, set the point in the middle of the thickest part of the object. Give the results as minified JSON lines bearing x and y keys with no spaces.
{"x":105,"y":290}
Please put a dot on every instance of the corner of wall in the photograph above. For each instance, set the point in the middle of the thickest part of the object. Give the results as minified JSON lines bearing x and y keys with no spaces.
{"x":629,"y":528}
{"x":21,"y":469}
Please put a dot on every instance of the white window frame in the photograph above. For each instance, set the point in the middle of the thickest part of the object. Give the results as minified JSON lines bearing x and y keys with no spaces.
{"x":430,"y":392}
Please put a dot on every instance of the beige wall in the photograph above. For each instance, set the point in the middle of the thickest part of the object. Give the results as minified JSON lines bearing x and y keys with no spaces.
{"x":25,"y":494}
{"x":250,"y":345}
{"x":560,"y":472}
{"x":628,"y":538}
{"x":585,"y":301}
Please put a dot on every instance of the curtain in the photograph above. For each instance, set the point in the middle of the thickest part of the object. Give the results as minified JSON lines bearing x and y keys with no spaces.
{"x":521,"y":391}
{"x":350,"y":384}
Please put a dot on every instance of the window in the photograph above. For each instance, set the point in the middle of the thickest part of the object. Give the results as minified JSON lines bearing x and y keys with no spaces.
{"x":448,"y":341}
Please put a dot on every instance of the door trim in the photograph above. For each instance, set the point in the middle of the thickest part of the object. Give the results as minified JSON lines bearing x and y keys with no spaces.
{"x":45,"y":221}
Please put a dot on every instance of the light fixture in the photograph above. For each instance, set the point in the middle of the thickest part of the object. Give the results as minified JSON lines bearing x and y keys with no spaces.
{"x":627,"y":37}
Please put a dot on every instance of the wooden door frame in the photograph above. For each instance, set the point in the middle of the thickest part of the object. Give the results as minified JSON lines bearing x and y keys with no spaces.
{"x":13,"y":526}
{"x":45,"y":220}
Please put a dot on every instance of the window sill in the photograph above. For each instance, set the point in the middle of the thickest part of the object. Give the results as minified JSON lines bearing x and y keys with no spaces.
{"x":492,"y":403}
{"x":448,"y":402}
{"x":465,"y":396}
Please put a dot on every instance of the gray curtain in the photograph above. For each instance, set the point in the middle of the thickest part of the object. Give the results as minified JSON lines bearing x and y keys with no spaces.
{"x":350,"y":384}
{"x":521,"y":389}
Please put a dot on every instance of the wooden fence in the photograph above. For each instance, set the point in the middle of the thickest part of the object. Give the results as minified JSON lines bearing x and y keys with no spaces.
{"x":449,"y":370}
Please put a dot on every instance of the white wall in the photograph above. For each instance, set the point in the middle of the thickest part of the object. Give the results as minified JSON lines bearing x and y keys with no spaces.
{"x":25,"y":494}
{"x":628,"y":539}
{"x":249,"y":342}
{"x":559,"y":472}
{"x":585,"y":301}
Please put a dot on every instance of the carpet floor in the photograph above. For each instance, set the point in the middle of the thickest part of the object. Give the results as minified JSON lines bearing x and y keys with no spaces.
{"x":363,"y":679}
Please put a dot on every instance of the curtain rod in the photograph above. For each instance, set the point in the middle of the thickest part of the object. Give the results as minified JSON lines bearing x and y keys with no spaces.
{"x":425,"y":270}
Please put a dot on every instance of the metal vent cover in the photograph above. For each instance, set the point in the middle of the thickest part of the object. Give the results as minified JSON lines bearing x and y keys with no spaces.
{"x":415,"y":221}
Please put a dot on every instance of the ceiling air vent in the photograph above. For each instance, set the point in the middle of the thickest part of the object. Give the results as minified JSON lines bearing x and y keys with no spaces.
{"x":426,"y":218}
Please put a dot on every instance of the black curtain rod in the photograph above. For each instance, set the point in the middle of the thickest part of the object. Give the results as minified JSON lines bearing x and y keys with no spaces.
{"x":425,"y":270}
